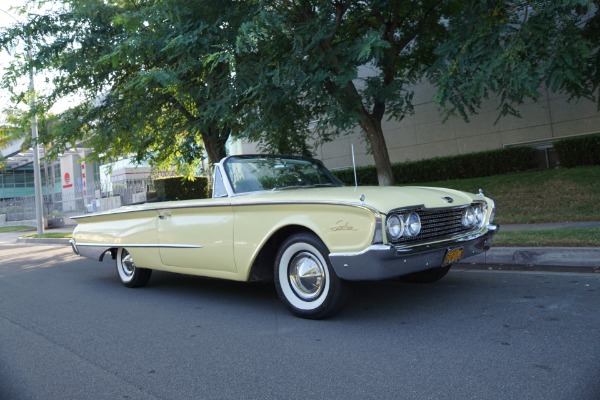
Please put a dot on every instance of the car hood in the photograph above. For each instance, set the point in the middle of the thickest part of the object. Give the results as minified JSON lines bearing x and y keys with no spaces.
{"x":383,"y":199}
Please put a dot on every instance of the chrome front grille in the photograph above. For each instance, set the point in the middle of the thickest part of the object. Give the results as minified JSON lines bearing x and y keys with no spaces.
{"x":436,"y":224}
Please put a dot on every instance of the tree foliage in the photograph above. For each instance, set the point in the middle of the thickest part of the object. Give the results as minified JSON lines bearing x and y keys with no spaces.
{"x":165,"y":79}
{"x":13,"y":129}
{"x":514,"y":49}
{"x":342,"y":63}
{"x":142,"y":71}
{"x":5,"y":138}
{"x":10,"y":129}
{"x":353,"y":63}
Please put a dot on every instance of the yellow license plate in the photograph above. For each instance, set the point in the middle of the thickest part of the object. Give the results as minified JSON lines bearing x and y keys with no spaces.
{"x":453,"y":255}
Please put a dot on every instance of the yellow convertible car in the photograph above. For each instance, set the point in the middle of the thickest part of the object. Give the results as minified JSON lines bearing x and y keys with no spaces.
{"x":291,"y":221}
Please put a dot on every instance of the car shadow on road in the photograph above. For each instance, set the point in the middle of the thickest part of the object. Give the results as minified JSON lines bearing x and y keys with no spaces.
{"x":368,"y":300}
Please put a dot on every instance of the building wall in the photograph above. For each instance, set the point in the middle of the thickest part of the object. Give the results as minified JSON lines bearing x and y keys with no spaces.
{"x":78,"y":180}
{"x":19,"y":182}
{"x":425,"y":135}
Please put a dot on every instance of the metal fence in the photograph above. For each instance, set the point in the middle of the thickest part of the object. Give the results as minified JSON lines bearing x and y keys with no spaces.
{"x":62,"y":205}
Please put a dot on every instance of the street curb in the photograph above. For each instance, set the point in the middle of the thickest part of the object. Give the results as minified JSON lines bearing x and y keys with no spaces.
{"x":525,"y":268}
{"x":574,"y":259}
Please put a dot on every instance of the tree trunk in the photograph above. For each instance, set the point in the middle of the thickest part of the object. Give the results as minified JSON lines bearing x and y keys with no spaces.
{"x":214,"y":144}
{"x":372,"y":127}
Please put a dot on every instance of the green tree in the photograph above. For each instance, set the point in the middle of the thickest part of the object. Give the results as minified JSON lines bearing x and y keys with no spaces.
{"x":8,"y":133}
{"x":164,"y":80}
{"x":141,"y":70}
{"x":12,"y":129}
{"x":512,"y":49}
{"x":5,"y":138}
{"x":352,"y":63}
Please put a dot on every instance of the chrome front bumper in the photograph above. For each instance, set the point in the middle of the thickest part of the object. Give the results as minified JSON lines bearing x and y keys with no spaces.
{"x":387,"y":261}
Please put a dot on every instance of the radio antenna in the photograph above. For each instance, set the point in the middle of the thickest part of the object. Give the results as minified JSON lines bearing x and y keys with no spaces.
{"x":354,"y":167}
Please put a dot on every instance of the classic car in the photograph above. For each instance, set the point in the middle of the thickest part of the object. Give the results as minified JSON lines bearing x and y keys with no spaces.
{"x":291,"y":221}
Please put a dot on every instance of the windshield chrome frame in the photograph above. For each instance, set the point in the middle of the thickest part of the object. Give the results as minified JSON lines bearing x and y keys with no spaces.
{"x":223,"y":178}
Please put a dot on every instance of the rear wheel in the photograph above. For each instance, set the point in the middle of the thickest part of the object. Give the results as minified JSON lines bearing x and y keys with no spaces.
{"x":305,"y":280}
{"x":427,"y":276}
{"x":130,"y":274}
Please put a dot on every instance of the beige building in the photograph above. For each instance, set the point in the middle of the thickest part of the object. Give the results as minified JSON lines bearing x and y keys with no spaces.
{"x":424,"y":135}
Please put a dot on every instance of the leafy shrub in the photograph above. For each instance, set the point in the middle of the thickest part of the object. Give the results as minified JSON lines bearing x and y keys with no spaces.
{"x":179,"y":188}
{"x":578,"y":151}
{"x":487,"y":163}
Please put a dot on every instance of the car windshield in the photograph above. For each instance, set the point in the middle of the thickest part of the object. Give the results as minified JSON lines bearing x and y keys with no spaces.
{"x":260,"y":173}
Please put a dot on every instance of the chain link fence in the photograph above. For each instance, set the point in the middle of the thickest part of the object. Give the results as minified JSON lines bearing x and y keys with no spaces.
{"x":59,"y":207}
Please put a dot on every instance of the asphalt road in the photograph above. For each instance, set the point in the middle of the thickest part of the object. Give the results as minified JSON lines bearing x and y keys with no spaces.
{"x":70,"y":330}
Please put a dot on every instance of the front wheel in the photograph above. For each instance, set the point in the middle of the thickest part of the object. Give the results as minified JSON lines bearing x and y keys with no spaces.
{"x":130,"y":274}
{"x":305,"y":280}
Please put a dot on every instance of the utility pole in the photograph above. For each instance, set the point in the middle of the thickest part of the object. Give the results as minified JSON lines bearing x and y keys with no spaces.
{"x":37,"y":179}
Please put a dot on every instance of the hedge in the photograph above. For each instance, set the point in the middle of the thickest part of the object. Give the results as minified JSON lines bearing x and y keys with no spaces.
{"x":179,"y":188}
{"x":474,"y":165}
{"x":578,"y":151}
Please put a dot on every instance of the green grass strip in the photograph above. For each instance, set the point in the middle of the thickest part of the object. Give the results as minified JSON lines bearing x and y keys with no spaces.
{"x":570,"y":237}
{"x":51,"y":235}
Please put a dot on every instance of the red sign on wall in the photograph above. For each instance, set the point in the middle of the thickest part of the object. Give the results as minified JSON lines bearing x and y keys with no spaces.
{"x":67,"y":181}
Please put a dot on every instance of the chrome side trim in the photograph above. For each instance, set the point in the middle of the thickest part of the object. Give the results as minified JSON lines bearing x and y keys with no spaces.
{"x":164,"y":246}
{"x":157,"y":209}
{"x":313,"y":202}
{"x":97,"y":251}
{"x":228,"y":204}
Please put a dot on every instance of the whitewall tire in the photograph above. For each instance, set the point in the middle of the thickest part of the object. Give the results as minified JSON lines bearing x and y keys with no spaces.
{"x":130,"y":274}
{"x":305,"y":280}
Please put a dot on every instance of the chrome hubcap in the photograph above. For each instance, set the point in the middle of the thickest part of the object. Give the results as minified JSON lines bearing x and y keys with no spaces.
{"x":306,"y":276}
{"x":128,"y":266}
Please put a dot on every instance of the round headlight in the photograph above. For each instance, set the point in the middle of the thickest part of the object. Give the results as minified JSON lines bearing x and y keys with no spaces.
{"x":412,"y":224}
{"x":469,"y":218}
{"x":394,"y":226}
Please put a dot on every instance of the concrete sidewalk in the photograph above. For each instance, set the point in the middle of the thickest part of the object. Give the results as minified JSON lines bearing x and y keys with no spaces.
{"x":567,"y":259}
